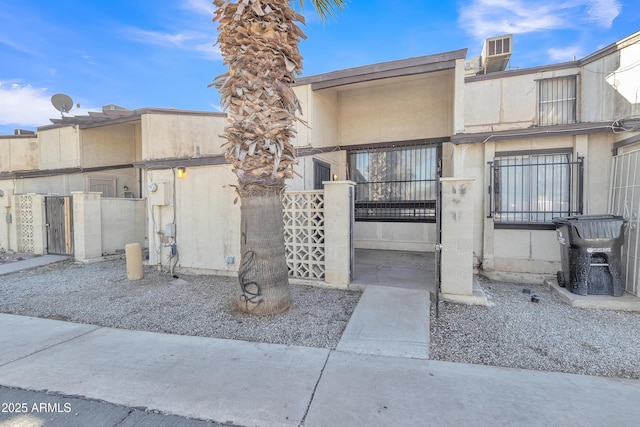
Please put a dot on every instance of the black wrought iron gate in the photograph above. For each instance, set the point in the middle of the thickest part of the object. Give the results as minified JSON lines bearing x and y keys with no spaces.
{"x":59,"y":211}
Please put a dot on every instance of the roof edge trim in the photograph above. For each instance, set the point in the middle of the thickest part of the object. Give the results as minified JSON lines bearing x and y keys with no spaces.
{"x":402,"y":67}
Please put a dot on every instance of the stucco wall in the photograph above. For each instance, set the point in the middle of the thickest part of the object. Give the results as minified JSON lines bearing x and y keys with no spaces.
{"x":59,"y":148}
{"x":178,"y":135}
{"x":207,"y":220}
{"x":304,"y":175}
{"x":394,"y":236}
{"x":111,"y":145}
{"x":65,"y":184}
{"x":505,"y":103}
{"x":19,"y":154}
{"x":319,"y":121}
{"x":529,"y":251}
{"x":526,"y":251}
{"x":123,"y":222}
{"x":395,"y":109}
{"x":400,"y":111}
{"x":612,"y":84}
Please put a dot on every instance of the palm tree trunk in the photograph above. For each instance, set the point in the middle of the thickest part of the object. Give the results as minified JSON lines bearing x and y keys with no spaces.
{"x":263,"y":274}
{"x":259,"y":41}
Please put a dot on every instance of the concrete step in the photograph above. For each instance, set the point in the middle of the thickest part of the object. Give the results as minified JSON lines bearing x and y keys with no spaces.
{"x":389,"y":322}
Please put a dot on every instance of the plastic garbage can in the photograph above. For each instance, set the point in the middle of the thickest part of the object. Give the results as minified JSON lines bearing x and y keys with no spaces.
{"x":591,"y":253}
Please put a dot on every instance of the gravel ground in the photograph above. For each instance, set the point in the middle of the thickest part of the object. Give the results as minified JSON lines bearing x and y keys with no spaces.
{"x":547,"y":336}
{"x":100,"y":294}
{"x":511,"y":332}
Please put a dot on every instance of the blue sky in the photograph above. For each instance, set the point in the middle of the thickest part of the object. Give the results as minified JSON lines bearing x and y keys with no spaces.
{"x":160,"y":53}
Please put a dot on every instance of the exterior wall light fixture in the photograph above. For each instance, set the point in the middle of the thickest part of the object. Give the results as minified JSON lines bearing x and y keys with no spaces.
{"x":181,"y":171}
{"x":335,"y":177}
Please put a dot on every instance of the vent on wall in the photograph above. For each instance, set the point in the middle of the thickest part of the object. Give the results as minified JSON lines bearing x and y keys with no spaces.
{"x":496,"y":53}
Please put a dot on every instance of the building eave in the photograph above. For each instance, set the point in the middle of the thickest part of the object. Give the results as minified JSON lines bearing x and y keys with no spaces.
{"x":384,"y":70}
{"x":613,"y":47}
{"x":534,"y":132}
{"x":523,"y":71}
{"x":40,"y":173}
{"x":115,"y":117}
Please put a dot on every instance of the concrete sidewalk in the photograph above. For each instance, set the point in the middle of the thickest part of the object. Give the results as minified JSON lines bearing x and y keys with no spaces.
{"x":27,"y":264}
{"x":254,"y":384}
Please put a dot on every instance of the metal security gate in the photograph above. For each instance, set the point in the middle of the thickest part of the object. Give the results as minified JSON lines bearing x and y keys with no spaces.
{"x":625,"y":200}
{"x":59,"y":225}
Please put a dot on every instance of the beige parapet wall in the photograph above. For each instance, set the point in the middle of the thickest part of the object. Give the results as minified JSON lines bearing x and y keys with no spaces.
{"x":87,"y":225}
{"x":104,"y":226}
{"x":123,"y":223}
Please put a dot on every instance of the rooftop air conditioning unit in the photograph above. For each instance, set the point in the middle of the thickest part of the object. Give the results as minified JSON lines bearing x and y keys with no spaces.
{"x":496,"y":53}
{"x":113,"y":107}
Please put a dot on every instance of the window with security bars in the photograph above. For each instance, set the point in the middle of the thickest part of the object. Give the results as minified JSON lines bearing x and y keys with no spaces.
{"x":395,"y":183}
{"x":557,"y":101}
{"x":530,"y":189}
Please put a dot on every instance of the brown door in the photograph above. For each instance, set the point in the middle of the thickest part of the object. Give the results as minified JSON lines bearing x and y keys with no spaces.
{"x":59,"y":225}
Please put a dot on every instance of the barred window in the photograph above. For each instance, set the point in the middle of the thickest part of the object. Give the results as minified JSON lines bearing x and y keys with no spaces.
{"x":533,"y":188}
{"x":395,"y":183}
{"x":557,"y":101}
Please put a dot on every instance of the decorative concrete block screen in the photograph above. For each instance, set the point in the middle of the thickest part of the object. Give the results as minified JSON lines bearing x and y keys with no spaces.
{"x":25,"y":223}
{"x":304,"y":233}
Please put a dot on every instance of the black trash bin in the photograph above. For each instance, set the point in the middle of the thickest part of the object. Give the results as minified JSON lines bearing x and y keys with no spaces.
{"x":591,"y":253}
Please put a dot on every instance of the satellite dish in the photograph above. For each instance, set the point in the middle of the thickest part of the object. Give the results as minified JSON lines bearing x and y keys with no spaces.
{"x":62,"y":103}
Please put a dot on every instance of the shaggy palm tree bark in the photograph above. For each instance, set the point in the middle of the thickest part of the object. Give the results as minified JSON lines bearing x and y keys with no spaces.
{"x":259,"y":40}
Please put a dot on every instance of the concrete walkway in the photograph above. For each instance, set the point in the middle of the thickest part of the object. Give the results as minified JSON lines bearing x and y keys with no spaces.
{"x":27,"y":264}
{"x":396,"y":269}
{"x":389,"y":322}
{"x":71,"y":374}
{"x":254,"y":384}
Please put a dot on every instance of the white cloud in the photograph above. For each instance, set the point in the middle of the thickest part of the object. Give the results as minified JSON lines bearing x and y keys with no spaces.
{"x":194,"y":41}
{"x":24,"y":105}
{"x":564,"y":54}
{"x":486,"y":18}
{"x":603,"y":12}
{"x":158,"y":38}
{"x":210,"y":51}
{"x":201,"y":7}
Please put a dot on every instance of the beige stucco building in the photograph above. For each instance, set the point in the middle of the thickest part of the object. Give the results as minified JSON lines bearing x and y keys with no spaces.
{"x":515,"y":148}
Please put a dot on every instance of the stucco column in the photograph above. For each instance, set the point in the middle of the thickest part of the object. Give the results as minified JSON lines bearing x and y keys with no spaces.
{"x":87,"y":225}
{"x":338,"y":218}
{"x":457,"y":238}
